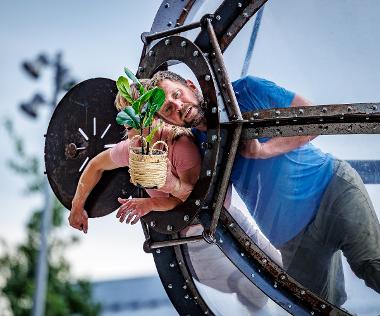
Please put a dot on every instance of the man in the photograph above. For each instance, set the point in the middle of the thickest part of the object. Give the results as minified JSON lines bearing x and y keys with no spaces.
{"x":309,"y":204}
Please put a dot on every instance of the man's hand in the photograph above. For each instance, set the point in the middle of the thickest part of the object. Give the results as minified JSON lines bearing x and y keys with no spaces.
{"x":78,"y":219}
{"x":130,"y":208}
{"x":251,"y":149}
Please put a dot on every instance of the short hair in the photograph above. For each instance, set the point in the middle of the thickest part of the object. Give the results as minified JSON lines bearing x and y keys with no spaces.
{"x":166,"y":74}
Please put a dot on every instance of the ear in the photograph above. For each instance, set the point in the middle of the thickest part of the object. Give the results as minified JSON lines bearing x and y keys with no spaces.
{"x":191,"y":85}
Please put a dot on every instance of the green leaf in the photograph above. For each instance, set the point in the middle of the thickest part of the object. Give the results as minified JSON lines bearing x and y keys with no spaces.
{"x":132,"y":76}
{"x":128,"y":117}
{"x":156,"y":101}
{"x":149,"y":138}
{"x":123,"y":86}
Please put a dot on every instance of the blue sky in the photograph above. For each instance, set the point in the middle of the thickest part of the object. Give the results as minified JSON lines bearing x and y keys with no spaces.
{"x":327,"y":51}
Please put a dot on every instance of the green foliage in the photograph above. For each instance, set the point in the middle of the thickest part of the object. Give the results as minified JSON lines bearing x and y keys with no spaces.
{"x":140,"y":113}
{"x":65,"y":296}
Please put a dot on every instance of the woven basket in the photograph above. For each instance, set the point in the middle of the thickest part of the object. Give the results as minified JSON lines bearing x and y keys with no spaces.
{"x":148,"y":170}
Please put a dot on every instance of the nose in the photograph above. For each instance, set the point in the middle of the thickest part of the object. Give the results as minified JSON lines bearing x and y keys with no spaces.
{"x":178,"y":105}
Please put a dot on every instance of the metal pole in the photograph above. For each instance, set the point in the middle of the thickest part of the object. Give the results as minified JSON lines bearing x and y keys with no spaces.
{"x":42,"y":263}
{"x":252,"y":41}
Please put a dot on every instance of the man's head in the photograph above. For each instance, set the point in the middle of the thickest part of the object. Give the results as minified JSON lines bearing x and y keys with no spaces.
{"x":183,"y":103}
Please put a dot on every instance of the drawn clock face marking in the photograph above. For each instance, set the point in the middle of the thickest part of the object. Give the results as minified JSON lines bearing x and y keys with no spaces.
{"x":83,"y":125}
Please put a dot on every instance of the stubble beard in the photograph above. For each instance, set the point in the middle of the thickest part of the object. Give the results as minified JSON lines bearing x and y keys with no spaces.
{"x":200,"y":118}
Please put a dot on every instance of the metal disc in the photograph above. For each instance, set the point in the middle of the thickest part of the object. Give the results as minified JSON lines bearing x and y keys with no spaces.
{"x":83,"y":125}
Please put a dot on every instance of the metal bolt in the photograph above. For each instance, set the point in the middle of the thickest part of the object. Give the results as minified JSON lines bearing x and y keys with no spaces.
{"x":242,"y":254}
{"x":218,"y":17}
{"x":170,"y":23}
{"x":277,"y":112}
{"x":184,"y":287}
{"x":252,"y":275}
{"x":282,"y":277}
{"x":186,"y":218}
{"x":221,"y":241}
{"x":208,"y":173}
{"x":245,"y":15}
{"x":290,"y":306}
{"x":167,"y":5}
{"x":183,"y":43}
{"x":152,"y":223}
{"x":374,"y":107}
{"x":186,"y":296}
{"x":213,"y":54}
{"x":214,"y":138}
{"x":275,"y":285}
{"x":141,"y":69}
{"x":277,"y":122}
{"x":170,"y":286}
{"x":207,"y":77}
{"x":311,"y":313}
{"x":264,"y":261}
{"x":321,"y":119}
{"x":367,"y":118}
{"x":256,"y":115}
{"x":158,"y":250}
{"x":195,"y":53}
{"x":349,"y":109}
{"x":231,"y":225}
{"x":171,"y":265}
{"x":169,"y":228}
{"x":323,"y":306}
{"x":239,"y":5}
{"x":214,"y":109}
{"x":229,"y":34}
{"x":300,"y":111}
{"x":151,"y":53}
{"x":167,"y":42}
{"x":247,"y":243}
{"x":300,"y":130}
{"x":197,"y":202}
{"x":324,"y":110}
{"x":303,"y":292}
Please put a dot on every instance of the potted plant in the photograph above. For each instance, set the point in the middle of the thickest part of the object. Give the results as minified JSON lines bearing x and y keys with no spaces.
{"x":147,"y":164}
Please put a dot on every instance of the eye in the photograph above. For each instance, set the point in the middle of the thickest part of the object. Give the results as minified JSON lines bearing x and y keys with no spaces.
{"x":177,"y":94}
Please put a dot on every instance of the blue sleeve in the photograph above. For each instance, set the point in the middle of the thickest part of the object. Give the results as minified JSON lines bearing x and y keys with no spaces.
{"x":254,"y":93}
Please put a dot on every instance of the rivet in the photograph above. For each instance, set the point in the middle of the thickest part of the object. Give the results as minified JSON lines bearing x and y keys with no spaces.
{"x":152,"y":223}
{"x":367,"y":118}
{"x":151,"y":53}
{"x":183,"y":43}
{"x":303,"y":292}
{"x":219,"y":70}
{"x":242,"y":254}
{"x":167,"y":42}
{"x":208,"y":173}
{"x":282,"y":277}
{"x":195,"y":297}
{"x":252,"y":275}
{"x":167,"y":5}
{"x":277,"y":122}
{"x":195,"y":53}
{"x":218,"y":17}
{"x":324,"y":110}
{"x":206,"y":312}
{"x":374,"y":107}
{"x":290,"y":306}
{"x":207,"y":77}
{"x":221,"y":241}
{"x":197,"y":202}
{"x":323,"y":306}
{"x":170,"y":286}
{"x":321,"y":119}
{"x":245,"y":15}
{"x":275,"y":285}
{"x":213,"y":54}
{"x":277,"y":112}
{"x":264,"y":260}
{"x":171,"y":265}
{"x":256,"y":115}
{"x":141,"y":69}
{"x":247,"y":243}
{"x":311,"y":313}
{"x":158,"y":250}
{"x":214,"y":138}
{"x":231,"y":225}
{"x":300,"y":130}
{"x":349,"y":109}
{"x":239,"y":5}
{"x":170,"y":23}
{"x":256,"y":133}
{"x":300,"y":111}
{"x":229,"y":34}
{"x":184,"y":287}
{"x":186,"y":218}
{"x":186,"y":297}
{"x":214,"y":109}
{"x":169,"y":228}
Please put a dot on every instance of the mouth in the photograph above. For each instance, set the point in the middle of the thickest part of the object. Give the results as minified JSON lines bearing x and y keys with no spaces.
{"x":187,"y":112}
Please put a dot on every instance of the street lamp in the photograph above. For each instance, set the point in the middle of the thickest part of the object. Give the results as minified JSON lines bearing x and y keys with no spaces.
{"x":62,"y":81}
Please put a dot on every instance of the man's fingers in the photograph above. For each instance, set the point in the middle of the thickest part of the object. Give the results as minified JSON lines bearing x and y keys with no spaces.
{"x":135,"y":220}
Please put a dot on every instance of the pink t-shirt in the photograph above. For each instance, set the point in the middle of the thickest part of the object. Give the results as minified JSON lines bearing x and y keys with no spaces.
{"x":183,"y":154}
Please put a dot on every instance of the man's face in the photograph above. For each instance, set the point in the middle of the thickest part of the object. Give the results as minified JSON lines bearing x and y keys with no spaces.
{"x":182,"y":105}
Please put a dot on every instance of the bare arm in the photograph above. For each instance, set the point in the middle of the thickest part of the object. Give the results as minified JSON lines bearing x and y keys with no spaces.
{"x":278,"y":145}
{"x":90,"y":177}
{"x":138,"y":207}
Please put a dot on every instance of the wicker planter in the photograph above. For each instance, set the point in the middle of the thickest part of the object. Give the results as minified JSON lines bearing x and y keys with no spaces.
{"x":148,"y":170}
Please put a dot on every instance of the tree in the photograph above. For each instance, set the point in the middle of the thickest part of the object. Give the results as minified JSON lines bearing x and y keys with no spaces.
{"x":18,"y":266}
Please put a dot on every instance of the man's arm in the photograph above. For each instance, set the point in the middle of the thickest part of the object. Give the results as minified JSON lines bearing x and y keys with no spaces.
{"x":279,"y":145}
{"x":91,"y":175}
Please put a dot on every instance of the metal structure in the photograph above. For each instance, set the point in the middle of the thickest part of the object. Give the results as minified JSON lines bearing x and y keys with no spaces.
{"x":82,"y":112}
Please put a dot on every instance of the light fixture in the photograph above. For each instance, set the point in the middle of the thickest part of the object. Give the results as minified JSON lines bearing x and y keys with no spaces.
{"x":30,"y":108}
{"x":33,"y":68}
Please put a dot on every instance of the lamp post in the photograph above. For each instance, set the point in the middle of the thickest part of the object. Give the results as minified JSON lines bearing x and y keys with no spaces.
{"x":61,"y":81}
